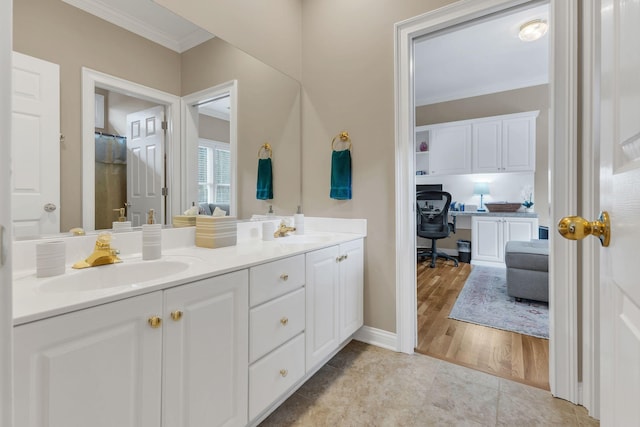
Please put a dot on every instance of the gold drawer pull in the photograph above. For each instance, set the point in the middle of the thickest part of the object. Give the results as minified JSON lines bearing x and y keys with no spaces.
{"x":284,"y":276}
{"x":155,"y":322}
{"x":284,"y":321}
{"x":283,"y":373}
{"x":176,"y":315}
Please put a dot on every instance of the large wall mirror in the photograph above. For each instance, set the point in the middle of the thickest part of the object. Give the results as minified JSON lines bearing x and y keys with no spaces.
{"x":267,"y":110}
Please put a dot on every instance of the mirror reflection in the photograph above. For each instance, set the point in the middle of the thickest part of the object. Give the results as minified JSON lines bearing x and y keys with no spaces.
{"x":268,"y":110}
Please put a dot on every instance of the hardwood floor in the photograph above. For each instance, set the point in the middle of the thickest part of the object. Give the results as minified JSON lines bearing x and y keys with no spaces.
{"x":517,"y":357}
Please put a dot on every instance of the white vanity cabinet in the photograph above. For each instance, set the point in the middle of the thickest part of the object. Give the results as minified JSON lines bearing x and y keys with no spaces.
{"x":334,"y":298}
{"x":98,"y":367}
{"x":490,"y":234}
{"x":205,"y":352}
{"x":276,"y":331}
{"x":171,"y":358}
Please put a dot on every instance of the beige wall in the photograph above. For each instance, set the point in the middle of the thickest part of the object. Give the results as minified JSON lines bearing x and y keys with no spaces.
{"x":59,"y":33}
{"x":512,"y":101}
{"x":268,"y":111}
{"x":268,"y":30}
{"x":348,"y":84}
{"x":213,"y":128}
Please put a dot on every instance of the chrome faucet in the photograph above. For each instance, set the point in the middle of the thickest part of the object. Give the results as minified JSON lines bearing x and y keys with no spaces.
{"x":102,"y":254}
{"x":283,"y":229}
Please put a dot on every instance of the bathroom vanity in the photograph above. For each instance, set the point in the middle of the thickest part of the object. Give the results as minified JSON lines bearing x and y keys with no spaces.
{"x":223,"y":338}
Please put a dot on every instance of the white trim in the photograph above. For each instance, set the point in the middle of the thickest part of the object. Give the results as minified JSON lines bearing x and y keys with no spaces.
{"x":6,"y":307}
{"x":91,"y":79}
{"x":190,"y":137}
{"x":376,"y":337}
{"x":563,"y":329}
{"x":142,"y":28}
{"x":563,"y":264}
{"x":590,"y":386}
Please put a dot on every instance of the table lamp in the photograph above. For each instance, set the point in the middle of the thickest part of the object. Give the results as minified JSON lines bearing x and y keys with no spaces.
{"x":481,"y":188}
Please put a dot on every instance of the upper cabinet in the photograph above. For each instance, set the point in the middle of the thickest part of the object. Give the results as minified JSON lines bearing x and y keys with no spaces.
{"x":487,"y":145}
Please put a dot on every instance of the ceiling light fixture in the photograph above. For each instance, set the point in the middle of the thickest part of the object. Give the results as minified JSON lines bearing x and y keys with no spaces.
{"x":533,"y":30}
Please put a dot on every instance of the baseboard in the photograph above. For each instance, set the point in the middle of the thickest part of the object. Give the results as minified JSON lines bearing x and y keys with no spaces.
{"x":377,"y":337}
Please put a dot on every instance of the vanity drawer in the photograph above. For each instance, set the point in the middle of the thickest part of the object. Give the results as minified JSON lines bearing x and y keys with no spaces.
{"x":275,"y":322}
{"x":268,"y":281}
{"x":273,"y":375}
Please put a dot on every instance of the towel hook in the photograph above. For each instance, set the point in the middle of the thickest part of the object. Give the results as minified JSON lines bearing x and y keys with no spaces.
{"x":344,"y":137}
{"x":265,"y":147}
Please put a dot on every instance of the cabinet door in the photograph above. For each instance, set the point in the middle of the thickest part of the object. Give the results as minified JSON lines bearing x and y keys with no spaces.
{"x":518,"y":144}
{"x":95,"y":367}
{"x":523,"y":229}
{"x":351,"y":288}
{"x":206,"y":353}
{"x":487,"y":147}
{"x":487,"y":237}
{"x":450,"y":150}
{"x":322,"y":329}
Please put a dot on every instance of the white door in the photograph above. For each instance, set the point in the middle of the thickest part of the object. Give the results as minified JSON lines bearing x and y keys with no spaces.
{"x":35,"y":146}
{"x":322,"y":333}
{"x":487,"y":237}
{"x":620,"y":196}
{"x":487,"y":146}
{"x":518,"y":144}
{"x":206,"y":352}
{"x":450,"y":150}
{"x":145,"y":165}
{"x":98,"y":367}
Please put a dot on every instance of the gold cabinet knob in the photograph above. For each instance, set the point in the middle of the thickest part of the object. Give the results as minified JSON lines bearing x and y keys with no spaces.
{"x":176,"y":315}
{"x":155,"y":322}
{"x":576,"y":228}
{"x":284,"y":321}
{"x":283,"y":373}
{"x":284,"y":277}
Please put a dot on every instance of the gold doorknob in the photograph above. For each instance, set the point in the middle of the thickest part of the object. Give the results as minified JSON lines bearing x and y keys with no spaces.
{"x":155,"y":322}
{"x":176,"y":315}
{"x":576,"y":228}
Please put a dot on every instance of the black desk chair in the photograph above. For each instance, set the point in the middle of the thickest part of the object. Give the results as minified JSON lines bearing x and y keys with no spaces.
{"x":433,"y":221}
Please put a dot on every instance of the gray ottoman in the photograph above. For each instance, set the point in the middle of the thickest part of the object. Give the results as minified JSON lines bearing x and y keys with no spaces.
{"x":528,"y":269}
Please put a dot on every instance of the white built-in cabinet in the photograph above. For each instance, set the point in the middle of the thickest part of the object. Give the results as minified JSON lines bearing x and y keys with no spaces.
{"x":504,"y":143}
{"x":222,"y":351}
{"x":170,"y":358}
{"x":490,"y":234}
{"x":334,"y":298}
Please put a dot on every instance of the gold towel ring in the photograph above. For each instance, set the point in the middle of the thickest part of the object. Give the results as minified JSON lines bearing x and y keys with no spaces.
{"x":344,"y":137}
{"x":265,"y":147}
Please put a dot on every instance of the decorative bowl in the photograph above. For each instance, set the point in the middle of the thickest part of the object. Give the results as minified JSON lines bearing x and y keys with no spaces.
{"x":503,"y":207}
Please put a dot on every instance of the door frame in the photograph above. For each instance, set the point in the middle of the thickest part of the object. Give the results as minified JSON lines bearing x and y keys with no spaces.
{"x":563,"y":342}
{"x":92,"y":79}
{"x":190,"y":137}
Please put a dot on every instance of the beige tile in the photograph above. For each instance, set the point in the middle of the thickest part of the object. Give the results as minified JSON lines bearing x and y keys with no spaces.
{"x":529,"y":406}
{"x":583,"y":417}
{"x":469,"y":375}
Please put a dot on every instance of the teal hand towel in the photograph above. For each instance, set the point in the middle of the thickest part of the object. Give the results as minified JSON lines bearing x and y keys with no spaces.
{"x":341,"y":175}
{"x":264,"y":189}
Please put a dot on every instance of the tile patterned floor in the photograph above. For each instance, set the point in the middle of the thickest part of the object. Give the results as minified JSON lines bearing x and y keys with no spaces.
{"x":364,"y":385}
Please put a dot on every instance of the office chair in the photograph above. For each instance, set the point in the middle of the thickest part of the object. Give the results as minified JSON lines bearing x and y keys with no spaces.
{"x":433,"y":221}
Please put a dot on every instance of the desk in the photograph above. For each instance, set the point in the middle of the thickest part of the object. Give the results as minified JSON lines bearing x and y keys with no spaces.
{"x":490,"y":232}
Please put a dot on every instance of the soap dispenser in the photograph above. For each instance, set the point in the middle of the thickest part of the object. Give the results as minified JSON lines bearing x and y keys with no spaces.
{"x":298,"y":221}
{"x":122,"y":224}
{"x":151,"y":238}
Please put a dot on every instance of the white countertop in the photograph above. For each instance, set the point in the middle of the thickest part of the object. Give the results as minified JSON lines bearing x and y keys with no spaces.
{"x":31,"y":300}
{"x":504,"y":214}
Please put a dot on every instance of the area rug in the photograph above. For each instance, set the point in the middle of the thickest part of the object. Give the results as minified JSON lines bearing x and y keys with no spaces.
{"x":484,"y":301}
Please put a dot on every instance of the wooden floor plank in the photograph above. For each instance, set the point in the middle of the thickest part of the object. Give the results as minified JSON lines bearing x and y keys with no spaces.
{"x":506,"y":354}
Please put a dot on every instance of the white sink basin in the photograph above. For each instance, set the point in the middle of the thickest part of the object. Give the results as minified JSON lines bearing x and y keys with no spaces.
{"x":300,"y":239}
{"x":131,"y":273}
